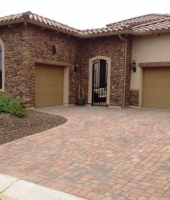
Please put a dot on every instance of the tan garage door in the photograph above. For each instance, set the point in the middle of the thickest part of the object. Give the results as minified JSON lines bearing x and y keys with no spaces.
{"x":48,"y":85}
{"x":156,"y":88}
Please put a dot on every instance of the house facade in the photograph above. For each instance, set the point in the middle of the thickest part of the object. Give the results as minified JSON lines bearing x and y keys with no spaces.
{"x":38,"y":56}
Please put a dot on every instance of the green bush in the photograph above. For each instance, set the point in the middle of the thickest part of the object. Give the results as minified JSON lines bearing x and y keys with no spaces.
{"x":14,"y":107}
{"x":4,"y":104}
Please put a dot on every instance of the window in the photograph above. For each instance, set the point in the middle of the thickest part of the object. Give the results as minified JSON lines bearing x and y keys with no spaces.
{"x":1,"y":67}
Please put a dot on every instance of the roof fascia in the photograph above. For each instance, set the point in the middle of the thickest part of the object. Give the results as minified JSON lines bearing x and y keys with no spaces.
{"x":12,"y":22}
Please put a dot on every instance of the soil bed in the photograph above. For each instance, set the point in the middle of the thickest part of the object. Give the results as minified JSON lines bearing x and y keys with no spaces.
{"x":13,"y":128}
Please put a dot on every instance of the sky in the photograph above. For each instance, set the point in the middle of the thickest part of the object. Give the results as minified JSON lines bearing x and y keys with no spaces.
{"x":85,"y":14}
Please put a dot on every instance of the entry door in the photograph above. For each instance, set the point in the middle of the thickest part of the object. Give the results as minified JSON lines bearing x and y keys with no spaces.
{"x":99,"y":83}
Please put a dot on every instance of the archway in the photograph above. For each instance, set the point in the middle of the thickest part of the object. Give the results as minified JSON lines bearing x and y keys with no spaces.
{"x":92,"y":61}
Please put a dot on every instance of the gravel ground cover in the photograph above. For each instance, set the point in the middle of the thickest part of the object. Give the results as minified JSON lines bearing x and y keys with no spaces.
{"x":13,"y":128}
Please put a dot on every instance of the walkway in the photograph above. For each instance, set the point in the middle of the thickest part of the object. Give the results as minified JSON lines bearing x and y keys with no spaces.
{"x":99,"y":154}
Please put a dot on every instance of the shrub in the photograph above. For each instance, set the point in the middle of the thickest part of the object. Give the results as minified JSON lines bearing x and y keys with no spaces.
{"x":4,"y":104}
{"x":14,"y":107}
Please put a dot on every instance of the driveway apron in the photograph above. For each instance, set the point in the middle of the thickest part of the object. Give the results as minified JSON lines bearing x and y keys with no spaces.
{"x":100,"y":153}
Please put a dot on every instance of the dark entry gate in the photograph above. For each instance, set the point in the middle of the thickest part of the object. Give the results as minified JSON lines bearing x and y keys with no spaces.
{"x":99,"y":83}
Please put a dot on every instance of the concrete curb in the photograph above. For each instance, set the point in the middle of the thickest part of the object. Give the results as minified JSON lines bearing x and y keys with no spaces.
{"x":14,"y":189}
{"x":4,"y":197}
{"x":6,"y":181}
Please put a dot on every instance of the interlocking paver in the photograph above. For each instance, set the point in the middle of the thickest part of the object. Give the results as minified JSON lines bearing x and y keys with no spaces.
{"x":100,"y":153}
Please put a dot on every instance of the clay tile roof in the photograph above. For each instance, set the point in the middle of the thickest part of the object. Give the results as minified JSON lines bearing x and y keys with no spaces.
{"x":141,"y":24}
{"x":34,"y":18}
{"x":10,"y":17}
{"x":49,"y":22}
{"x":155,"y":25}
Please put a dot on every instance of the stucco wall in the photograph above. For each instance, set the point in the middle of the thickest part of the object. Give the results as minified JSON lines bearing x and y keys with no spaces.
{"x":149,"y":48}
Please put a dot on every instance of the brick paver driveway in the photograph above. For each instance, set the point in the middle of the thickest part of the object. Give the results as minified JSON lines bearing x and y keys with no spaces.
{"x":100,"y":153}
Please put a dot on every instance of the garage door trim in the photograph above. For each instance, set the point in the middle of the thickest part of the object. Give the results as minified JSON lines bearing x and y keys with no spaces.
{"x":154,"y":64}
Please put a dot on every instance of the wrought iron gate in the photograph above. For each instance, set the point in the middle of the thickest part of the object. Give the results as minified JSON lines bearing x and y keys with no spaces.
{"x":99,"y":83}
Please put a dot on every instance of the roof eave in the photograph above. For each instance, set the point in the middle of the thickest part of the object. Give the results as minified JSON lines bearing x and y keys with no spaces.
{"x":150,"y":32}
{"x":101,"y":34}
{"x":12,"y":22}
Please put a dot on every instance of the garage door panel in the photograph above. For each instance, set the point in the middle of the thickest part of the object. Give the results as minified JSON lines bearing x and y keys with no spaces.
{"x":157,"y":103}
{"x":156,"y":88}
{"x":49,"y":86}
{"x":149,"y":102}
{"x":49,"y":90}
{"x":149,"y":82}
{"x":165,"y":93}
{"x":44,"y":82}
{"x":151,"y":93}
{"x":167,"y":82}
{"x":45,"y":101}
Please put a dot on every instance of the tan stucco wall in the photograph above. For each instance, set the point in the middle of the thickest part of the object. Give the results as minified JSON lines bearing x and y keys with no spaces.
{"x":150,"y":48}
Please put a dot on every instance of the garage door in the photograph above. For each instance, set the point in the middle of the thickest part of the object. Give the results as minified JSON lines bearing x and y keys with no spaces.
{"x":48,"y":85}
{"x":156,"y":88}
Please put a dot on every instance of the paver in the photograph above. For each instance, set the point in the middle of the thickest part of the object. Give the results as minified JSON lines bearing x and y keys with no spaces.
{"x":100,"y":153}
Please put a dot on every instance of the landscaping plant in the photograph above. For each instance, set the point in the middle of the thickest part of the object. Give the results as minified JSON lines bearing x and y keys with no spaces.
{"x":4,"y":104}
{"x":14,"y":107}
{"x":80,"y":100}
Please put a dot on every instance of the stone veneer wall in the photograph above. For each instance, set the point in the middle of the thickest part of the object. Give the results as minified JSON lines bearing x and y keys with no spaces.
{"x":15,"y":62}
{"x":68,"y":50}
{"x":128,"y":71}
{"x":114,"y":48}
{"x":134,"y":97}
{"x":23,"y":46}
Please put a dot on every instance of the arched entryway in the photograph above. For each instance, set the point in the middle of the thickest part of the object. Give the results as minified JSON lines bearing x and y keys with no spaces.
{"x":99,"y":81}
